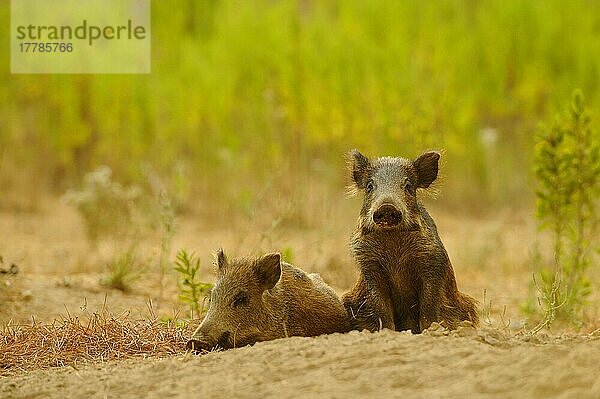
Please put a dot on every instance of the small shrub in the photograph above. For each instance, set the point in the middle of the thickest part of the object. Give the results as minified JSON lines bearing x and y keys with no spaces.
{"x":123,"y":271}
{"x":191,"y":289}
{"x":567,"y":168}
{"x":105,"y":206}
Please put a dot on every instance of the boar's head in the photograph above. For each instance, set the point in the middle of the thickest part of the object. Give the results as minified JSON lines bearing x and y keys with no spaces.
{"x":238,"y":314}
{"x":390,"y":188}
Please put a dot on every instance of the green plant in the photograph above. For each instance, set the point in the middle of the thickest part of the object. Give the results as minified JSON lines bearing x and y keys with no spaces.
{"x":105,"y":206}
{"x":567,"y":168}
{"x":167,"y":223}
{"x":123,"y":270}
{"x":191,"y":289}
{"x":161,"y":215}
{"x":287,"y":254}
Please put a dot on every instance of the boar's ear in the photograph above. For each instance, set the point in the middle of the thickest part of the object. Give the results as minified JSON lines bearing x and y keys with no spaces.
{"x":220,"y":260}
{"x":358,"y":166}
{"x":426,"y":167}
{"x":268,"y":270}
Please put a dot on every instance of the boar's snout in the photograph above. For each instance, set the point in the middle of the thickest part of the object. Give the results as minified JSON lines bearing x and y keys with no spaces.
{"x":201,"y":342}
{"x":387,"y":216}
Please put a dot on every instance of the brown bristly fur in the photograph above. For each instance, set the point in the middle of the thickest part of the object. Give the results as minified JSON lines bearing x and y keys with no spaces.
{"x":406,"y":280}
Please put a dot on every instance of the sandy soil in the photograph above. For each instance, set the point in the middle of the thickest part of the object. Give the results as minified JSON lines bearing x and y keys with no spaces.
{"x":387,"y":364}
{"x":60,"y":273}
{"x":59,"y":270}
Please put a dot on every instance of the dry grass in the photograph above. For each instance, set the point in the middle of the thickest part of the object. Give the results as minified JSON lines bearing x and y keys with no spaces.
{"x":70,"y":341}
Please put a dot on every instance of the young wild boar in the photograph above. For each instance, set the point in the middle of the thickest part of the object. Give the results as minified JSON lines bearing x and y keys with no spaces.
{"x":262,"y":299}
{"x":406,"y":281}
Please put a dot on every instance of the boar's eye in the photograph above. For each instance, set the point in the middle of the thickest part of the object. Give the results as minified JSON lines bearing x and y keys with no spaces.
{"x":241,"y":299}
{"x":370,"y":186}
{"x":408,"y":186}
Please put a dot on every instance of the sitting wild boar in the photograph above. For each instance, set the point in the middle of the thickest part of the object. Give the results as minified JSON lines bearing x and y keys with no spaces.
{"x":263,"y":299}
{"x":406,"y":281}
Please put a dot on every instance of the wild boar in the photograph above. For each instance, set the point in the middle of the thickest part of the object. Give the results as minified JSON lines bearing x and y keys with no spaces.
{"x":263,"y":299}
{"x":406,"y":281}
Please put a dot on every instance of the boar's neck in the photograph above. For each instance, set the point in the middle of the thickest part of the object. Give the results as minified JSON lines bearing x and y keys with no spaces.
{"x":282,"y":301}
{"x":390,"y":247}
{"x":274,"y":317}
{"x":288,"y":302}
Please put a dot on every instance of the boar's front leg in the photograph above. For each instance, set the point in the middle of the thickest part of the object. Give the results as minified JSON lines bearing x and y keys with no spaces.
{"x":430,"y":301}
{"x":369,"y":304}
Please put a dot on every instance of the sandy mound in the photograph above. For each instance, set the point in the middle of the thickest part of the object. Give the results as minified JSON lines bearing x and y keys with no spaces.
{"x":58,"y":276}
{"x":481,"y":363}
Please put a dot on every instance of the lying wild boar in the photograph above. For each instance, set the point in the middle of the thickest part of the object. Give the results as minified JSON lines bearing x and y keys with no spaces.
{"x":406,"y":281}
{"x":263,"y":299}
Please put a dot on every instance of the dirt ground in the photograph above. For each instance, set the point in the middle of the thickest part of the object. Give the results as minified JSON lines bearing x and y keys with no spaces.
{"x":383,"y":365}
{"x":59,"y":273}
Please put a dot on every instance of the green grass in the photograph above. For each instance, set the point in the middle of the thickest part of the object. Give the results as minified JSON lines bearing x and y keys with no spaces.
{"x":240,"y":89}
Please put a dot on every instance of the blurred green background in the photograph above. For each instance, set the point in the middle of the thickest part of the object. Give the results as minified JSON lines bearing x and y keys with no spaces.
{"x":251,"y":96}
